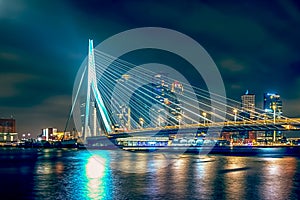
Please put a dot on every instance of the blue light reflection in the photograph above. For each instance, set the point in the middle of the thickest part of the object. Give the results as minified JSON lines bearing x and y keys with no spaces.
{"x":97,"y":176}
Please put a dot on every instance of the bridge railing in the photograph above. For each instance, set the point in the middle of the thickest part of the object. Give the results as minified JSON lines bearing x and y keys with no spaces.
{"x":286,"y":122}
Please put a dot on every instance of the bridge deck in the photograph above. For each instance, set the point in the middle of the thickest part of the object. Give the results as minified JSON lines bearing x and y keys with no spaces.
{"x":217,"y":127}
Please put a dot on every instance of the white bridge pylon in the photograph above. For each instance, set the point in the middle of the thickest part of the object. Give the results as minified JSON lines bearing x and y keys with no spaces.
{"x":92,"y":87}
{"x":92,"y":92}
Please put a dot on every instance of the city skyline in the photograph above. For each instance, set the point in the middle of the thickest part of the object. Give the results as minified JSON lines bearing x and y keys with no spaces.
{"x":38,"y":67}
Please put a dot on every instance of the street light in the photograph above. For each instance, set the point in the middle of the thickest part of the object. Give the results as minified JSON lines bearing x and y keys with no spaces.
{"x":204,"y":115}
{"x":179,"y":119}
{"x":141,"y":120}
{"x":274,"y":113}
{"x":159,"y":120}
{"x":235,"y":113}
{"x":274,"y":121}
{"x":264,"y":118}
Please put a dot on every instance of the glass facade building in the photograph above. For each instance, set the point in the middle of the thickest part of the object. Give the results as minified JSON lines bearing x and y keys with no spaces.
{"x":166,"y":93}
{"x":272,"y":102}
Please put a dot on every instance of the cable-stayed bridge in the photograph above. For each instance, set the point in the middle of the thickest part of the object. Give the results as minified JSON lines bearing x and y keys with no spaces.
{"x":113,"y":97}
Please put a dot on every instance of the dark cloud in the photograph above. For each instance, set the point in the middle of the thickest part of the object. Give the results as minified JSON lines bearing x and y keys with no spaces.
{"x":255,"y":44}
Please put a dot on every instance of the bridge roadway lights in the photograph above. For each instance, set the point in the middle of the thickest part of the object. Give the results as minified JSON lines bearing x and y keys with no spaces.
{"x":227,"y":127}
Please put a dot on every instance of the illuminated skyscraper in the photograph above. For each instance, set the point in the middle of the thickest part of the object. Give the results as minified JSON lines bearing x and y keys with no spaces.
{"x":177,"y":87}
{"x":272,"y":102}
{"x":165,"y":93}
{"x":248,"y":104}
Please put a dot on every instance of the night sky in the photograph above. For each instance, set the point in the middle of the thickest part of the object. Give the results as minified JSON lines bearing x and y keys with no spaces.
{"x":255,"y":44}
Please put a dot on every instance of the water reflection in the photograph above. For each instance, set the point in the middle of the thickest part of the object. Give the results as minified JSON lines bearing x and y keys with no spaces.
{"x":59,"y":167}
{"x":278,"y":176}
{"x":96,"y":173}
{"x":180,"y":168}
{"x":234,"y":177}
{"x":72,"y":174}
{"x":204,"y":174}
{"x":140,"y":162}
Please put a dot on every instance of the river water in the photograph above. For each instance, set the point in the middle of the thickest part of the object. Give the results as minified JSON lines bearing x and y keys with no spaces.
{"x":103,"y":174}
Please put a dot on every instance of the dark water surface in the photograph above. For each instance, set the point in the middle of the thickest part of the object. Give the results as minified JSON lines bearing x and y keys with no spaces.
{"x":100,"y":174}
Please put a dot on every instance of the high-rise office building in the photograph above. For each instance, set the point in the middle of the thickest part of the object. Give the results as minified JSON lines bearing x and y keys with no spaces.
{"x":157,"y":104}
{"x":272,"y":102}
{"x":248,"y":104}
{"x":165,"y":93}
